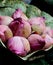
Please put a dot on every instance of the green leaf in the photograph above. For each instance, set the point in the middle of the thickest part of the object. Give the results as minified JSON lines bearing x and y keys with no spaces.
{"x":49,"y":23}
{"x":46,"y":15}
{"x":6,"y":11}
{"x":33,"y":11}
{"x":20,"y":5}
{"x":11,"y":1}
{"x":49,"y":19}
{"x":8,"y":2}
{"x":2,"y":3}
{"x":16,"y":4}
{"x":10,"y":5}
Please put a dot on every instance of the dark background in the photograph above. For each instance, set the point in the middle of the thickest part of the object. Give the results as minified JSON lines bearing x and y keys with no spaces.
{"x":44,"y":6}
{"x":6,"y":57}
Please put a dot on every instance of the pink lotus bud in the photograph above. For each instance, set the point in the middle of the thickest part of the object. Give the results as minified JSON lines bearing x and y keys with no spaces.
{"x":36,"y":42}
{"x":26,"y":44}
{"x":19,"y":14}
{"x":48,"y":31}
{"x":5,"y":20}
{"x":18,"y":45}
{"x":37,"y":24}
{"x":5,"y":33}
{"x":2,"y":36}
{"x":48,"y":41}
{"x":52,"y":33}
{"x":20,"y":27}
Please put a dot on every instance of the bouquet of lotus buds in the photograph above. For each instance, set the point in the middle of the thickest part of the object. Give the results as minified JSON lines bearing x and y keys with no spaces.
{"x":27,"y":34}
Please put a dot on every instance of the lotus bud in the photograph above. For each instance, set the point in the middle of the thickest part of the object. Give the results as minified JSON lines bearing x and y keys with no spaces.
{"x":18,"y":13}
{"x":5,"y":20}
{"x":20,"y":27}
{"x":36,"y":42}
{"x":48,"y":41}
{"x":37,"y":24}
{"x":5,"y":33}
{"x":48,"y":31}
{"x":2,"y":36}
{"x":18,"y":45}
